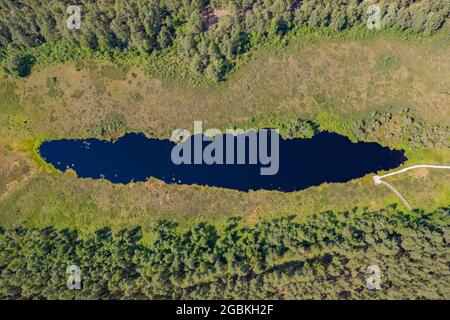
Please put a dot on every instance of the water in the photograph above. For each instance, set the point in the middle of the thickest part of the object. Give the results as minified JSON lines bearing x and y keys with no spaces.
{"x":327,"y":157}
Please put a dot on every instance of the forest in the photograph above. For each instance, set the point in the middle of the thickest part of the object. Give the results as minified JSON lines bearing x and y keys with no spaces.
{"x":208,"y":35}
{"x":324,"y":256}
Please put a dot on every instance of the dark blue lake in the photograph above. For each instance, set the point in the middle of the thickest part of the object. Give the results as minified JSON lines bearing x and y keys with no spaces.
{"x":327,"y":157}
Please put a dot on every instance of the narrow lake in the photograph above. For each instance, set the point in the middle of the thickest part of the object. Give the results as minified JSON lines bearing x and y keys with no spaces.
{"x":327,"y":157}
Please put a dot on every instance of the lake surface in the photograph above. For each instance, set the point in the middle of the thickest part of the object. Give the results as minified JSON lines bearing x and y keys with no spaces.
{"x":327,"y":157}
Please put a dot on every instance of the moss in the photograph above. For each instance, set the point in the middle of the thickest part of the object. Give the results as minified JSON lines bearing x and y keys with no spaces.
{"x":31,"y":147}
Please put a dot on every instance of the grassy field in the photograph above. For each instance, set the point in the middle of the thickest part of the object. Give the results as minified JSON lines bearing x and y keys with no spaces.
{"x":332,"y":81}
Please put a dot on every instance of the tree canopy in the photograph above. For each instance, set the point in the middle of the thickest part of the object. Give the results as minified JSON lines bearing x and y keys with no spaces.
{"x":324,"y":257}
{"x":209,"y":35}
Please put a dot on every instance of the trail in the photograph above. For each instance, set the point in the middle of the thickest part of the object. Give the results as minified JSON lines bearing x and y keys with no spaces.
{"x":377,"y":179}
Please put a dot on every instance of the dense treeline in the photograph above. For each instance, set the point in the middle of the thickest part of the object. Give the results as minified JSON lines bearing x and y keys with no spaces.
{"x":326,"y":256}
{"x":209,"y":34}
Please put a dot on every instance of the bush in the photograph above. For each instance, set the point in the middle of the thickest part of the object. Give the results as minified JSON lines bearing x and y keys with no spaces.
{"x":19,"y":65}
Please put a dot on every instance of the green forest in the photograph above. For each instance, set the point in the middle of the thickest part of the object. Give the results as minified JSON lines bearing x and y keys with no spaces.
{"x":35,"y":30}
{"x":324,"y":257}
